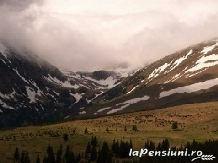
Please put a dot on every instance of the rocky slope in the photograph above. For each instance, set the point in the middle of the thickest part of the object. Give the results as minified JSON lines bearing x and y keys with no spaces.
{"x":32,"y":91}
{"x":187,"y":76}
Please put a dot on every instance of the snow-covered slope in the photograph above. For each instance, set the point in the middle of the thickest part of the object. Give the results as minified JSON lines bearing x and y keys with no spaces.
{"x":187,"y":76}
{"x":33,"y":91}
{"x":101,"y":79}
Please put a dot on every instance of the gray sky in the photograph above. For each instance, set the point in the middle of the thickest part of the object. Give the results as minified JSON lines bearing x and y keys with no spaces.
{"x":90,"y":34}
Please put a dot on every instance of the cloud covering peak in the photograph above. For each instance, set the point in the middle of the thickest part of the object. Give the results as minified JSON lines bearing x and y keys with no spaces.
{"x":86,"y":35}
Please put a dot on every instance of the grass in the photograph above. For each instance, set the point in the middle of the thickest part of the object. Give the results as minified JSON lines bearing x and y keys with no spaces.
{"x":196,"y":121}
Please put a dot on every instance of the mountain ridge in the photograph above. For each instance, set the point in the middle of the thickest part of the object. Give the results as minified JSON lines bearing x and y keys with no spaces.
{"x":32,"y":91}
{"x":177,"y":77}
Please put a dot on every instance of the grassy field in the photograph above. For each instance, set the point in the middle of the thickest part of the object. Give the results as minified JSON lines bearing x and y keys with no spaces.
{"x":196,"y":121}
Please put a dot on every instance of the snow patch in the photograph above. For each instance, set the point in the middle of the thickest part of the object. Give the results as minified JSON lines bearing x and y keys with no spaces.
{"x":101,"y":110}
{"x":21,"y":76}
{"x":4,"y":105}
{"x":132,"y":89}
{"x":109,"y":82}
{"x":127,"y":103}
{"x":56,"y":93}
{"x":3,"y":61}
{"x":3,"y":50}
{"x":180,"y":60}
{"x":158,"y":70}
{"x":31,"y":94}
{"x":208,"y":48}
{"x":205,"y":62}
{"x":39,"y":92}
{"x":82,"y":112}
{"x":4,"y":96}
{"x":191,"y":88}
{"x":77,"y":96}
{"x":58,"y":82}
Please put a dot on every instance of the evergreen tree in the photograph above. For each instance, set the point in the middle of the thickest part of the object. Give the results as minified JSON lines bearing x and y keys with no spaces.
{"x":106,"y":154}
{"x":130,"y":144}
{"x":93,"y":153}
{"x":59,"y":154}
{"x":16,"y":154}
{"x":165,"y":144}
{"x":150,"y":145}
{"x":134,"y":128}
{"x":113,"y":148}
{"x":22,"y":158}
{"x":25,"y":157}
{"x":100,"y":157}
{"x":78,"y":158}
{"x":94,"y":141}
{"x":69,"y":155}
{"x":175,"y":125}
{"x":44,"y":160}
{"x":124,"y":149}
{"x":38,"y":159}
{"x":88,"y":149}
{"x":66,"y":137}
{"x":86,"y":131}
{"x":51,"y":156}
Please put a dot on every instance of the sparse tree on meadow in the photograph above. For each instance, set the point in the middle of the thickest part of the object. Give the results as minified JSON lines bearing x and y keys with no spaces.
{"x":66,"y":137}
{"x":175,"y":125}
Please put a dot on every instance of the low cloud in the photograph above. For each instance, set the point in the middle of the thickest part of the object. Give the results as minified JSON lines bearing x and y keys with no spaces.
{"x":87,"y":36}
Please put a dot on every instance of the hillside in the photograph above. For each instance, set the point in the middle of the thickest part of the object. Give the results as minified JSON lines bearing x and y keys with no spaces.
{"x":32,"y":91}
{"x":187,"y":76}
{"x":195,"y":122}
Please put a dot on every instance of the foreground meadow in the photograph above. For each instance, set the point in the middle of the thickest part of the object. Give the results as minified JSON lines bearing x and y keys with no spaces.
{"x":195,"y":122}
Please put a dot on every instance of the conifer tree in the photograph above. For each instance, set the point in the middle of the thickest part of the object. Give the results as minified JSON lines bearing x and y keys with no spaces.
{"x":25,"y":157}
{"x":175,"y":125}
{"x":66,"y":137}
{"x":16,"y":154}
{"x":69,"y":155}
{"x":38,"y":159}
{"x":88,"y":149}
{"x":51,"y":156}
{"x":44,"y":160}
{"x":165,"y":144}
{"x":130,"y":144}
{"x":94,"y":141}
{"x":86,"y":131}
{"x":93,"y":153}
{"x":59,"y":154}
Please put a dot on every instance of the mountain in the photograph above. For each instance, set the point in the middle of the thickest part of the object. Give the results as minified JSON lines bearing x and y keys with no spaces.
{"x":33,"y":91}
{"x":187,"y":76}
{"x":100,"y":79}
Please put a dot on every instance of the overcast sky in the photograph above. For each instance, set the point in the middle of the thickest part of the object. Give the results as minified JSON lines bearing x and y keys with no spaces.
{"x":90,"y":34}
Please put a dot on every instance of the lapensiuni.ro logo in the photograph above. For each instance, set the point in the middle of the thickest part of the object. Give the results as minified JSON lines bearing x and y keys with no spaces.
{"x":171,"y":153}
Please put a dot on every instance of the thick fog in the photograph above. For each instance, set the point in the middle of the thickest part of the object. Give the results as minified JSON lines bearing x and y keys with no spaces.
{"x":93,"y":34}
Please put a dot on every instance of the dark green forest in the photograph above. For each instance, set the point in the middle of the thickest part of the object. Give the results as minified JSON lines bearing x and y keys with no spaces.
{"x":118,"y":152}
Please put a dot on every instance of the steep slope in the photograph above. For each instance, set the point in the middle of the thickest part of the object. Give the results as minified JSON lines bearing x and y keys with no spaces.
{"x":33,"y":91}
{"x":187,"y":76}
